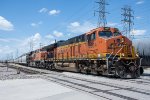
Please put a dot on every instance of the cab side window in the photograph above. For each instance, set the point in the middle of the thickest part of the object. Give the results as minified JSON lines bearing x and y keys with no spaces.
{"x":116,"y":34}
{"x":91,"y":36}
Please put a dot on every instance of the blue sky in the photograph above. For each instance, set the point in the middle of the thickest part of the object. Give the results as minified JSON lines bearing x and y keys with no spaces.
{"x":43,"y":21}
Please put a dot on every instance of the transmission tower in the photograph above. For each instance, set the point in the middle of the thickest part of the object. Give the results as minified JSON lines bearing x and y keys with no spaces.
{"x":102,"y":13}
{"x":128,"y":23}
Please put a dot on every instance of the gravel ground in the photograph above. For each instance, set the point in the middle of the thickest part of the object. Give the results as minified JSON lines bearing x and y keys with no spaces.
{"x":10,"y":73}
{"x":101,"y":87}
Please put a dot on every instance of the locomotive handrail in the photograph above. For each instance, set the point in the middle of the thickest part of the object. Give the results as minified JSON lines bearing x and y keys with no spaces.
{"x":117,"y":52}
{"x":108,"y":59}
{"x":140,"y":62}
{"x":110,"y":55}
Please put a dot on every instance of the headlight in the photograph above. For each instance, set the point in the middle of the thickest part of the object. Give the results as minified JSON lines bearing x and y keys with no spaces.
{"x":99,"y":55}
{"x":122,"y":40}
{"x":123,"y":54}
{"x":137,"y":55}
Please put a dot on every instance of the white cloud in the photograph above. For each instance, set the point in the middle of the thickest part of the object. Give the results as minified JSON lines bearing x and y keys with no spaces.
{"x":36,"y":24}
{"x":23,"y":45}
{"x":140,"y":2}
{"x":51,"y":42}
{"x":26,"y":44}
{"x":34,"y":40}
{"x":75,"y":24}
{"x":10,"y":48}
{"x":111,"y":24}
{"x":4,"y":40}
{"x":49,"y":36}
{"x":54,"y":12}
{"x":33,"y":24}
{"x":138,"y":17}
{"x":43,"y":10}
{"x":138,"y":32}
{"x":9,"y":40}
{"x":57,"y":34}
{"x":36,"y":37}
{"x":7,"y":50}
{"x":76,"y":27}
{"x":51,"y":12}
{"x":5,"y":24}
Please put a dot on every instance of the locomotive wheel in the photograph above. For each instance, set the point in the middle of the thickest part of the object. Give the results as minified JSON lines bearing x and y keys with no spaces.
{"x":127,"y":71}
{"x":49,"y":67}
{"x":46,"y":66}
{"x":78,"y":68}
{"x":95,"y":72}
{"x":84,"y":69}
{"x":120,"y":70}
{"x":135,"y":72}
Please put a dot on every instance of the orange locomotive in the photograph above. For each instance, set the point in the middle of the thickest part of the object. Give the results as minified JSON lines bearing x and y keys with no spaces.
{"x":103,"y":51}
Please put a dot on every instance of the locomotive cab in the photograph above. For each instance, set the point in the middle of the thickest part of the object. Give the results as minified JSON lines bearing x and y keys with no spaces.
{"x":102,"y":40}
{"x":109,"y":45}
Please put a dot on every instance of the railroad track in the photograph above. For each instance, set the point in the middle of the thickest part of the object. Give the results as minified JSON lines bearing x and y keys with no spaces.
{"x":74,"y":83}
{"x":139,"y":81}
{"x":101,"y":89}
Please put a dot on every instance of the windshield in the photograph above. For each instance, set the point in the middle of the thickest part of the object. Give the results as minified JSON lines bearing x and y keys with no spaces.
{"x":105,"y":34}
{"x":117,"y":34}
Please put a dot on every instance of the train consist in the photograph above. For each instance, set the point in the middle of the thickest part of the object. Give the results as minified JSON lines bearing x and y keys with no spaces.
{"x":103,"y":50}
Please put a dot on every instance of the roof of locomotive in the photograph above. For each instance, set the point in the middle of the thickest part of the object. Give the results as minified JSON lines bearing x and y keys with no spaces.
{"x":51,"y":46}
{"x":79,"y":38}
{"x":112,"y":29}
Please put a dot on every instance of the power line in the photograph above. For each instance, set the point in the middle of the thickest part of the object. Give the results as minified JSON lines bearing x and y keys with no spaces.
{"x":127,"y":20}
{"x":102,"y":13}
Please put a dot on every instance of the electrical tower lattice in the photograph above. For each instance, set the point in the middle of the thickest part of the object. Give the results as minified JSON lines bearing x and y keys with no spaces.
{"x":102,"y":13}
{"x":127,"y":21}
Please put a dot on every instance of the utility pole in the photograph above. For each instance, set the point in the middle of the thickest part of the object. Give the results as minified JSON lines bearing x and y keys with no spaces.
{"x":102,"y":13}
{"x":31,"y":45}
{"x":41,"y":45}
{"x":128,"y":23}
{"x":11,"y":56}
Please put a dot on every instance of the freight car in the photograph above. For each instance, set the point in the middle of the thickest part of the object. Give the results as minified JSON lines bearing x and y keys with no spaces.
{"x":22,"y":60}
{"x":103,"y":50}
